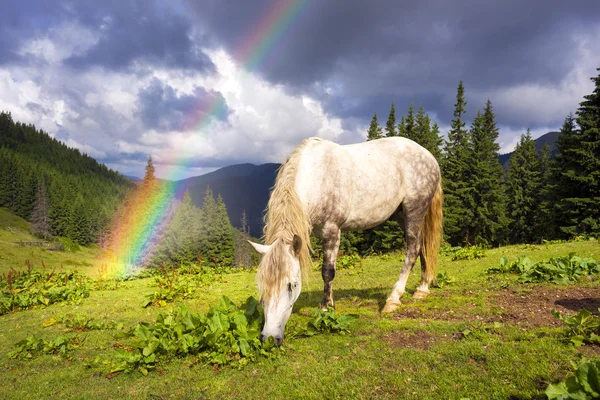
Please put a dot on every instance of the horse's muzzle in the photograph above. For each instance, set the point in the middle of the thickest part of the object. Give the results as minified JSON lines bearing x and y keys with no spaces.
{"x":278,"y":339}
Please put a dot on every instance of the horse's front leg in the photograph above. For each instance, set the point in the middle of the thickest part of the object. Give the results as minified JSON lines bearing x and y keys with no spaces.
{"x":331,"y":245}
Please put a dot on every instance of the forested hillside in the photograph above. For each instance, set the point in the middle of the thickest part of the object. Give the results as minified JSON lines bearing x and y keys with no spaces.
{"x":61,"y":191}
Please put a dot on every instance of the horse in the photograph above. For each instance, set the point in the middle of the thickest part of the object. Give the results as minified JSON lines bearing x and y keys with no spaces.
{"x":324,"y":187}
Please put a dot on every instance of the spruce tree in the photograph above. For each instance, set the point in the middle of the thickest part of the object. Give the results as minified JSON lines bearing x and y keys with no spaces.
{"x":486,"y":181}
{"x":577,"y":169}
{"x":375,"y":131}
{"x":390,"y":125}
{"x":458,"y":201}
{"x":523,"y":185}
{"x":224,"y":234}
{"x":407,"y":125}
{"x":435,"y":142}
{"x":40,"y":221}
{"x":544,"y":227}
{"x":426,"y":135}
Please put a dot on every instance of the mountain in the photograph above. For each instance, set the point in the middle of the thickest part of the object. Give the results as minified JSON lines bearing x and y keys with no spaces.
{"x":242,"y":187}
{"x":548,"y":138}
{"x":133,"y":178}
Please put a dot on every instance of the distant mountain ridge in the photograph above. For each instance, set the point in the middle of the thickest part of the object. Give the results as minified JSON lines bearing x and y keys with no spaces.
{"x":242,"y":187}
{"x":248,"y":186}
{"x":548,"y":138}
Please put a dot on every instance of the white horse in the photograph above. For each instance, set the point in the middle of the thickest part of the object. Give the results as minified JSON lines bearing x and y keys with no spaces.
{"x":325,"y":187}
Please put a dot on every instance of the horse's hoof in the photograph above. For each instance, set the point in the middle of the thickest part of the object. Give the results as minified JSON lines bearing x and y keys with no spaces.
{"x":390,"y":306}
{"x":420,"y":294}
{"x":325,"y":307}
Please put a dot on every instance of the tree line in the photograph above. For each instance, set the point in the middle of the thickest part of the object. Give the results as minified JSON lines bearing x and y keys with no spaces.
{"x":540,"y":196}
{"x":61,"y":191}
{"x":537,"y":198}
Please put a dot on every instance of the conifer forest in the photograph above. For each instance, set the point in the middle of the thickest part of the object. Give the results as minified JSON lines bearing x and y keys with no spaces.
{"x":71,"y":199}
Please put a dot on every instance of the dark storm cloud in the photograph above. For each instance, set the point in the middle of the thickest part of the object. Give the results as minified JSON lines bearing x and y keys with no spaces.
{"x":134,"y":31}
{"x":161,"y":108}
{"x":129,"y":31}
{"x":410,"y":47}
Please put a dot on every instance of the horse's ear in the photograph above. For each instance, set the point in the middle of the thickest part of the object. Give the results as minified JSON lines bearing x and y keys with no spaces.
{"x":260,"y":248}
{"x":296,"y":245}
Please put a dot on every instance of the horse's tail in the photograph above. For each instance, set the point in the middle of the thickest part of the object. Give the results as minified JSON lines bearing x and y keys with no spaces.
{"x":432,"y":233}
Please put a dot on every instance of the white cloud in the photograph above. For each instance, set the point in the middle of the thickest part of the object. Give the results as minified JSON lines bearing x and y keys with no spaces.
{"x":98,"y":110}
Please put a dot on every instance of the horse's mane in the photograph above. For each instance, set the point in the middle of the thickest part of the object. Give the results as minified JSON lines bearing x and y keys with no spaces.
{"x":284,"y":218}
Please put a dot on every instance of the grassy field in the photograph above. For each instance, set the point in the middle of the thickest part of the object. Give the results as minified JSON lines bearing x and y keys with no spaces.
{"x":482,"y":337}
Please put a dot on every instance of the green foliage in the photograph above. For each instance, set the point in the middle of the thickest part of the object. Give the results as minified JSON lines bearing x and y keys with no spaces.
{"x":524,"y":182}
{"x":375,"y":131}
{"x":583,"y":384}
{"x":31,"y":346}
{"x":226,"y":334}
{"x":390,"y":125}
{"x":556,"y":270}
{"x":78,"y":195}
{"x":576,"y":170}
{"x":82,"y":323}
{"x":26,"y":289}
{"x":464,"y":253}
{"x":178,"y":283}
{"x":456,"y":168}
{"x":583,"y":327}
{"x":444,"y":279}
{"x":325,"y":322}
{"x":350,"y":261}
{"x":489,"y":222}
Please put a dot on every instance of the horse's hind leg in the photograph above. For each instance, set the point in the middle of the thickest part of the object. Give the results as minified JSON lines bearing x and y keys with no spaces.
{"x":411,"y":223}
{"x":331,"y":244}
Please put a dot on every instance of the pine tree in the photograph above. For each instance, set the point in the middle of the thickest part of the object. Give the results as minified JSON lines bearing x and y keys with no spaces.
{"x":245,"y":227}
{"x":523,"y":181}
{"x":577,"y":169}
{"x":40,"y":221}
{"x":390,"y":126}
{"x":458,"y":200}
{"x":486,"y":181}
{"x":375,"y":131}
{"x":435,"y":142}
{"x":407,"y":125}
{"x":426,"y":135}
{"x":224,"y":234}
{"x":544,"y":227}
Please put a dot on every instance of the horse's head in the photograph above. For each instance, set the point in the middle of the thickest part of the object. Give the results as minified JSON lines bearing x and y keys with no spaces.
{"x":279,"y":282}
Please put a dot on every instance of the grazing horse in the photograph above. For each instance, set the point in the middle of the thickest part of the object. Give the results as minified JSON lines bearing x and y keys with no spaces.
{"x":324,"y":187}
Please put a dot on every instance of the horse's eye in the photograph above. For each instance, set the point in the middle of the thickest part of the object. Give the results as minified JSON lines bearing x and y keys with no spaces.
{"x":290,"y":287}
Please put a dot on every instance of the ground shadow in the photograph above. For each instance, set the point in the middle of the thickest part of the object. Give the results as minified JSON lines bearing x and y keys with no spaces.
{"x":589,"y":303}
{"x":312,"y":299}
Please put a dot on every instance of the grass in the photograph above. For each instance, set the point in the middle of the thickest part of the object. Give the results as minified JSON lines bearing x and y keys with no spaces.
{"x":421,"y":351}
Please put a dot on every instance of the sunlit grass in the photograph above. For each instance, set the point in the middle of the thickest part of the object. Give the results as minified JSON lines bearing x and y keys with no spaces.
{"x":385,"y":356}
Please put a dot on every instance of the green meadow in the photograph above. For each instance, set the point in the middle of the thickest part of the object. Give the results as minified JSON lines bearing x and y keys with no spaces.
{"x":480,"y":337}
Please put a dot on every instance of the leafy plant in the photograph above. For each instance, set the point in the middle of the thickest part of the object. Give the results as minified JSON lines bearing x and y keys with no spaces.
{"x":583,"y":327}
{"x":583,"y":384}
{"x":32,"y":346}
{"x":444,"y":279}
{"x":557,"y":270}
{"x":350,"y":261}
{"x":325,"y":322}
{"x":82,"y":323}
{"x":178,"y":283}
{"x":463,"y":253}
{"x":26,"y":289}
{"x":226,"y":334}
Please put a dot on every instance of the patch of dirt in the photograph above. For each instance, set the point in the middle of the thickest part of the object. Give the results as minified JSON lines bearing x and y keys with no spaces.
{"x":420,"y":340}
{"x":528,"y":306}
{"x":533,"y":307}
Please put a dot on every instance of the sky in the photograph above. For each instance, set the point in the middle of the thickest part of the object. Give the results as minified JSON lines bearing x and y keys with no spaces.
{"x":202,"y":84}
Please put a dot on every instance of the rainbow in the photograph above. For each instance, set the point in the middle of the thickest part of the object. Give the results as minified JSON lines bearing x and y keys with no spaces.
{"x":144,"y":213}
